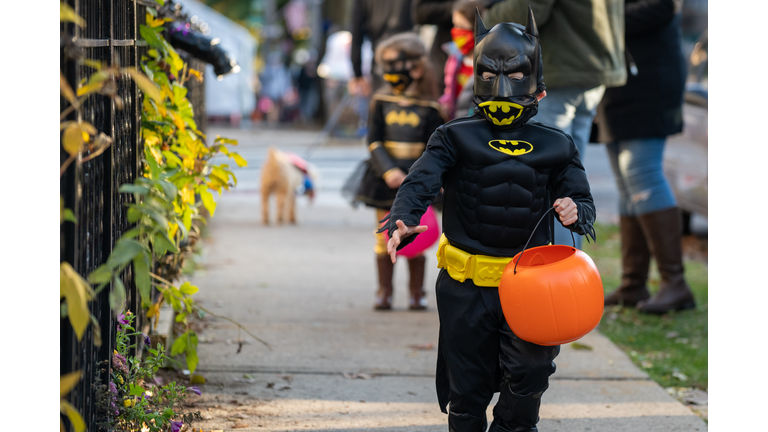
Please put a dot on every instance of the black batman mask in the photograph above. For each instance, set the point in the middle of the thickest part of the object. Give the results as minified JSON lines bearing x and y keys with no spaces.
{"x":397,"y":72}
{"x":503,"y":50}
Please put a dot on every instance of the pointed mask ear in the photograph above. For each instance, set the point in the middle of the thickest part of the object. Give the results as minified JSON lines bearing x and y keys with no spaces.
{"x":530,"y":26}
{"x":480,"y":29}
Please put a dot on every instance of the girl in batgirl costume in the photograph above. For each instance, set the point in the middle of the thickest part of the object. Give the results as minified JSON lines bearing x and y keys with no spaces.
{"x":402,"y":117}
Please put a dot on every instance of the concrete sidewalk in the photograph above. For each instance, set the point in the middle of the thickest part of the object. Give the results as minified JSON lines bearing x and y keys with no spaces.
{"x":336,"y":365}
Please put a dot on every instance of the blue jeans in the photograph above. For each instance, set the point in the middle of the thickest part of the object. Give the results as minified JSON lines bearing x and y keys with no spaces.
{"x":570,"y":109}
{"x":637,"y":166}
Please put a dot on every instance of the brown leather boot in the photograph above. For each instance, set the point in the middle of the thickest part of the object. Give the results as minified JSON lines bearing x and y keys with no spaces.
{"x":385,"y":269}
{"x":418,"y":298}
{"x":663,"y":233}
{"x":635,"y":261}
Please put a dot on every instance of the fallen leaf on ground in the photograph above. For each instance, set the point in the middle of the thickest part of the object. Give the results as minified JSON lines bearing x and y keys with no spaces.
{"x":356,"y":376}
{"x":245,"y":380}
{"x":422,"y":347}
{"x":580,"y":346}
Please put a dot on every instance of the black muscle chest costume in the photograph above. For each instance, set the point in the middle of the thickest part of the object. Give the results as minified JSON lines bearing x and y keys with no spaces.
{"x":501,"y":171}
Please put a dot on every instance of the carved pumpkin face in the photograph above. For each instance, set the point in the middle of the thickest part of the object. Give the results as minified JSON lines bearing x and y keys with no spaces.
{"x":555,"y":297}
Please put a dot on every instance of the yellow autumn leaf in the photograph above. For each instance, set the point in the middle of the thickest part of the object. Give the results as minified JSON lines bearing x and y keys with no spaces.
{"x":77,"y":293}
{"x":68,"y":382}
{"x":90,"y":88}
{"x":66,"y":90}
{"x":73,"y":415}
{"x":188,"y":195}
{"x":157,"y":154}
{"x":172,"y":229}
{"x":73,"y":139}
{"x":145,"y":84}
{"x":68,"y":14}
{"x":239,"y":160}
{"x":197,"y":74}
{"x":177,"y":120}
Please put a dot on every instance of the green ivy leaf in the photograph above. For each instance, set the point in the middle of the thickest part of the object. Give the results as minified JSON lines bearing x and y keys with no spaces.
{"x":117,"y":296}
{"x":142,"y":278}
{"x":134,"y":188}
{"x":124,"y":251}
{"x":163,"y":244}
{"x":188,"y":288}
{"x":135,"y":390}
{"x":69,"y":215}
{"x":151,"y":36}
{"x":102,"y":274}
{"x":179,"y":345}
{"x":192,"y":359}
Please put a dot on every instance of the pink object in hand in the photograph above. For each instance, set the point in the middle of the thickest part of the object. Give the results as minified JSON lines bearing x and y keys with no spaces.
{"x":424,"y":240}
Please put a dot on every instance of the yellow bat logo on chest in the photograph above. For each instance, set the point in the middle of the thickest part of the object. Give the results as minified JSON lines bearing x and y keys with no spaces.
{"x":402,"y":118}
{"x":511,"y":147}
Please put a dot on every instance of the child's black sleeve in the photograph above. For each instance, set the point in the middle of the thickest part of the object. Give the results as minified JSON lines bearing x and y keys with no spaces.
{"x":570,"y":180}
{"x":422,"y":184}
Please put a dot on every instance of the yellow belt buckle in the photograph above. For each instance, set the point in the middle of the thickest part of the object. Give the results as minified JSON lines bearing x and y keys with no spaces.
{"x":458,"y":263}
{"x":488,"y":270}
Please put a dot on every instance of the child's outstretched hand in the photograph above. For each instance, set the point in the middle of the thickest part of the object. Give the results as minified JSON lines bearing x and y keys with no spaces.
{"x":566,"y":208}
{"x":400,"y":233}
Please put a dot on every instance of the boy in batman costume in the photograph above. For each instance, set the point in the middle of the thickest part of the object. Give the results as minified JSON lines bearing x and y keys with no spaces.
{"x":500,"y":172}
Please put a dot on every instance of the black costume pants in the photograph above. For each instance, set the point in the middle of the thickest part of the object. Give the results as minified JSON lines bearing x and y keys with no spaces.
{"x":479,"y":355}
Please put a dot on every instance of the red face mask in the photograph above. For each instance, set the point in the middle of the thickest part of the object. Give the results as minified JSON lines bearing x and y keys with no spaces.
{"x":464,"y":39}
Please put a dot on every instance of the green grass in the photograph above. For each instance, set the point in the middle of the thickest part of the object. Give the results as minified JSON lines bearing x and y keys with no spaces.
{"x":671,"y":348}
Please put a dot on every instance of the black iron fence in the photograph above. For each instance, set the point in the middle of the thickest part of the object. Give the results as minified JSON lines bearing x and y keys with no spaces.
{"x":90,"y":189}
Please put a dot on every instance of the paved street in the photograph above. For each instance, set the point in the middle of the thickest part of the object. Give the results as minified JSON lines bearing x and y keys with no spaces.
{"x":335,"y":365}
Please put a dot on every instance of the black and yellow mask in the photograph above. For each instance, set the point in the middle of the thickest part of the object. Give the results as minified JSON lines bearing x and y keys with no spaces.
{"x":397,"y":72}
{"x":503,"y":50}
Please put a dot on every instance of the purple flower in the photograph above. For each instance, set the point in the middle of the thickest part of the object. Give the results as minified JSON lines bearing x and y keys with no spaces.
{"x":195,"y":390}
{"x":119,"y":363}
{"x":122,"y":320}
{"x":176,"y":426}
{"x":146,"y":339}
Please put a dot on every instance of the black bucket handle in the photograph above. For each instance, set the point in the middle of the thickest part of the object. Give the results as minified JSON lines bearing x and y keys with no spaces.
{"x":531,"y":237}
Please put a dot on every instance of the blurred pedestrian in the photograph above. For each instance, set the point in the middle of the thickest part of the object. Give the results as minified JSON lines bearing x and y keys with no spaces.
{"x":582,"y":43}
{"x":635,"y":120}
{"x":440,"y":14}
{"x":276,"y":83}
{"x":403,"y":115}
{"x":376,"y":20}
{"x":458,"y":72}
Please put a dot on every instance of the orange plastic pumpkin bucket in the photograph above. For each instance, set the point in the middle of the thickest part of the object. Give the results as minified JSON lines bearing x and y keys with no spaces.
{"x":551,"y":295}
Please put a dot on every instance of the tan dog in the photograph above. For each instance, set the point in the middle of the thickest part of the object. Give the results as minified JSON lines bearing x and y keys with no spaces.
{"x":283,"y":175}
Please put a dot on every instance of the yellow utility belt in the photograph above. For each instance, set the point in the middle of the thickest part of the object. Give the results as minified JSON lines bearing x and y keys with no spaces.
{"x":484,"y":270}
